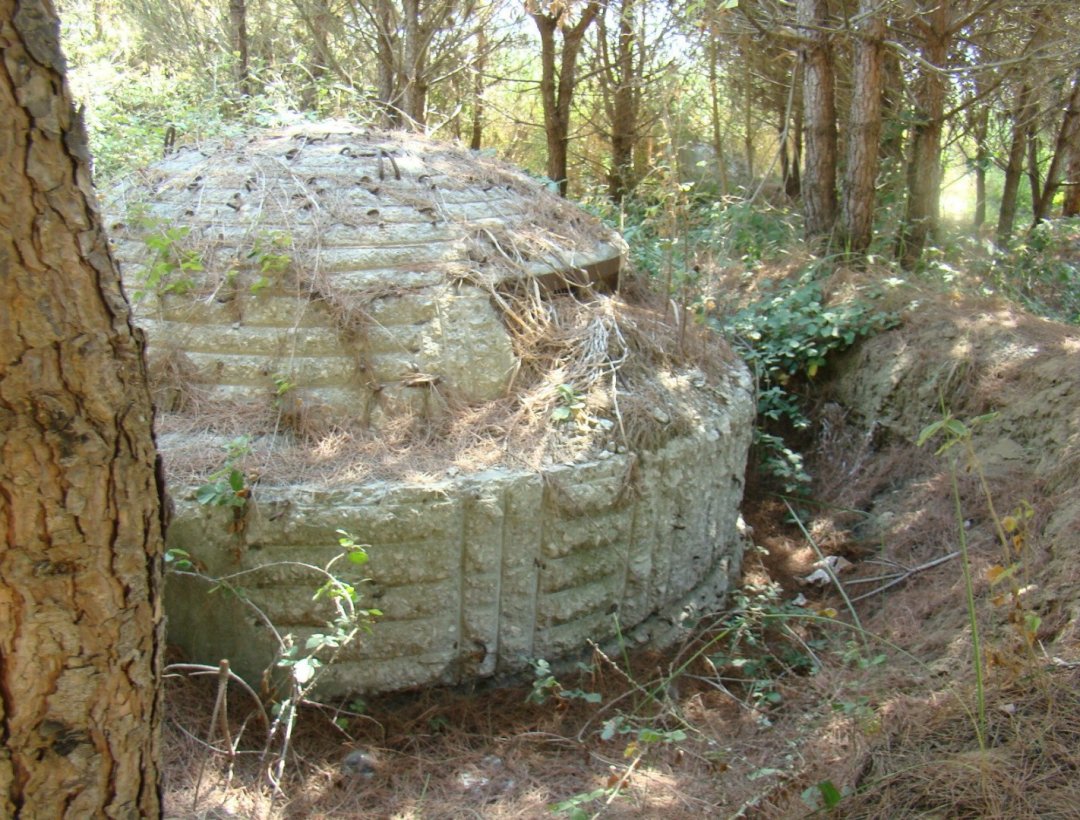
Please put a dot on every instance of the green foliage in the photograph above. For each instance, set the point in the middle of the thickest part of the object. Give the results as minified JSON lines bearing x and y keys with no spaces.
{"x":749,"y":233}
{"x":822,"y":795}
{"x":272,"y":255}
{"x":757,"y":645}
{"x":1042,"y":271}
{"x":283,"y":385}
{"x":546,"y":685}
{"x":227,"y":486}
{"x":573,"y":807}
{"x":787,"y":337}
{"x":170,"y":262}
{"x":571,"y":405}
{"x":303,"y":662}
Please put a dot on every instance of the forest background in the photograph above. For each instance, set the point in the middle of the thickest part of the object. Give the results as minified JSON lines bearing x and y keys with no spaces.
{"x":876,"y":123}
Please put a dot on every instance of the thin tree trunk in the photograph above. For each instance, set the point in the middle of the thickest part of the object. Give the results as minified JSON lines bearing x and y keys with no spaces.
{"x":1068,"y":134}
{"x":557,"y":82}
{"x":238,"y":23}
{"x":319,"y":59}
{"x":1071,"y":205}
{"x":748,"y":121}
{"x":793,"y":146}
{"x":797,"y":153}
{"x":819,"y":113}
{"x":477,"y":131}
{"x":623,"y":105}
{"x":414,"y":81}
{"x":619,"y":87}
{"x":982,"y":162}
{"x":864,"y":131}
{"x":386,"y":62}
{"x":714,"y":104}
{"x":924,"y":167}
{"x":1022,"y":120}
{"x":80,"y":561}
{"x":1034,"y":182}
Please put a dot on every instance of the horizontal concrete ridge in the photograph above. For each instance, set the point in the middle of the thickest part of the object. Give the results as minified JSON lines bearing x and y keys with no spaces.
{"x":326,"y":257}
{"x":478,"y":574}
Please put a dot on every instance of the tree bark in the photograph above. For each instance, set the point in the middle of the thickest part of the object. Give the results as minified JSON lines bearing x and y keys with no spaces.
{"x":558,"y":79}
{"x":384,"y":16}
{"x":414,"y":79}
{"x":1068,"y":135}
{"x":714,"y":116}
{"x":864,"y":130}
{"x":819,"y":119}
{"x":1071,"y":205}
{"x":924,"y":166}
{"x":1034,"y":183}
{"x":621,"y":83}
{"x":476,"y":135}
{"x":317,"y":20}
{"x":80,"y":564}
{"x":238,"y":25}
{"x":982,"y":163}
{"x":1014,"y":167}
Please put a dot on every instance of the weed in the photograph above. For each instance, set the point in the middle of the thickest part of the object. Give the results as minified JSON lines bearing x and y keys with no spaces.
{"x":302,"y":664}
{"x":283,"y":385}
{"x":546,"y":685}
{"x":170,"y":264}
{"x":1011,"y":533}
{"x":571,"y":405}
{"x":271,"y":254}
{"x":227,"y":486}
{"x":787,"y":337}
{"x":1041,"y":271}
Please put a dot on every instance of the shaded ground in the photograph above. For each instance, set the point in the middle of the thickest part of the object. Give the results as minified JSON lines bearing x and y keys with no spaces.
{"x":769,"y":700}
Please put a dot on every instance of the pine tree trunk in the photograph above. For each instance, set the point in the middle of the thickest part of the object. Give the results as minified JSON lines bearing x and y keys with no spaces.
{"x":476,"y":133}
{"x":1068,"y":135}
{"x":1034,"y":182}
{"x":557,"y":83}
{"x":1014,"y":166}
{"x":1071,"y":205}
{"x":819,"y":120}
{"x":623,"y":106}
{"x":238,"y":24}
{"x":80,"y":608}
{"x":714,"y":116}
{"x":982,"y":162}
{"x":414,"y":83}
{"x":386,"y":63}
{"x":864,"y":131}
{"x":924,"y":166}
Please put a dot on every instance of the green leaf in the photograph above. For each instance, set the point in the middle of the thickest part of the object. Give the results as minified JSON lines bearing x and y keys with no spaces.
{"x":304,"y":670}
{"x":358,"y":556}
{"x":956,"y":428}
{"x":208,"y":493}
{"x":929,"y":432}
{"x":236,"y":480}
{"x":829,"y":794}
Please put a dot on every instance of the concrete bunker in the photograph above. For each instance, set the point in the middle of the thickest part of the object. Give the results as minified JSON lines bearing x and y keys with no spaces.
{"x":424,"y":347}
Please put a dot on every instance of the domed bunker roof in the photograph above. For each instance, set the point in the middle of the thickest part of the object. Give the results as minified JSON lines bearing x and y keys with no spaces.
{"x":420,"y":345}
